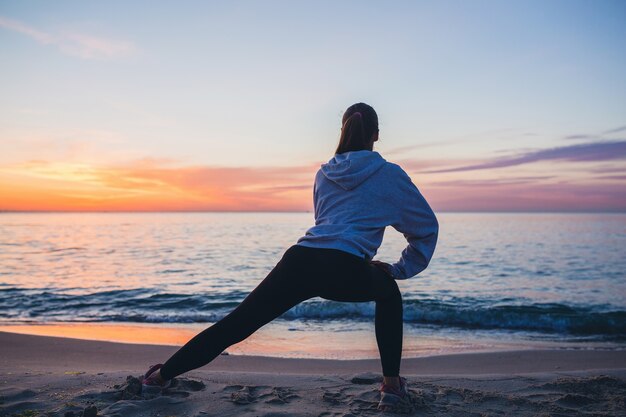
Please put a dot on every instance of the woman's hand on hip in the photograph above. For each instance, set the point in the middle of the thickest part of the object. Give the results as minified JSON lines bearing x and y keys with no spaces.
{"x":384,"y":266}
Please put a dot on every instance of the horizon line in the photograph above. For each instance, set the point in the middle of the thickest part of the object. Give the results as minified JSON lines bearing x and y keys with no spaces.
{"x":311,"y":211}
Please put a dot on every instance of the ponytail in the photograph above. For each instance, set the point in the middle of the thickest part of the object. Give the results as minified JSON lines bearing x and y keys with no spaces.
{"x":360,"y":122}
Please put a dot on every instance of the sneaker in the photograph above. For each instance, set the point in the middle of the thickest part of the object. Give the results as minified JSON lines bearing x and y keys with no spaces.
{"x":392,"y":396}
{"x":150,"y":384}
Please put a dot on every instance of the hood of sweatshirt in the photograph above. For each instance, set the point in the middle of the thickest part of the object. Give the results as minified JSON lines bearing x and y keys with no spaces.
{"x":350,"y":169}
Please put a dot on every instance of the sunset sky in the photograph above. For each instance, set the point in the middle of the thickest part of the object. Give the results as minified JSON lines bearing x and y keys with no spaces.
{"x":488,"y":105}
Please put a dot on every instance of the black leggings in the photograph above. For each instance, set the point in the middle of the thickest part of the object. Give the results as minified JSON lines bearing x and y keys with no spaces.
{"x":303,"y":273}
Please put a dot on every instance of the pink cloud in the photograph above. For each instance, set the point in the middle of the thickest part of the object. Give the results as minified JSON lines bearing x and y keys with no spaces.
{"x":584,"y":152}
{"x":75,"y":44}
{"x":525,"y":195}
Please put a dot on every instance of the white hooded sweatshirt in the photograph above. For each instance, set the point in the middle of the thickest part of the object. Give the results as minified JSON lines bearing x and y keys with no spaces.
{"x":356,"y":196}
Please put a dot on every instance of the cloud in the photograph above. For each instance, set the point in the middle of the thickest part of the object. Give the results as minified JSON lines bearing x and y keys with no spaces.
{"x":19,"y":27}
{"x":614,"y":177}
{"x":280,"y":188}
{"x":585,"y":136}
{"x":608,"y":169}
{"x":584,"y":152}
{"x":75,"y":44}
{"x":491,"y":182}
{"x":616,"y":130}
{"x":580,"y":136}
{"x":90,"y":47}
{"x":404,"y":149}
{"x":421,"y":165}
{"x":531,"y":197}
{"x":409,"y":148}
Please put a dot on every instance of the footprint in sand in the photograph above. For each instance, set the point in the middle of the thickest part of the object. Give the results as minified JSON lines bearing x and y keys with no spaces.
{"x":127,"y":398}
{"x":334,"y":398}
{"x":13,"y":399}
{"x":243,"y":395}
{"x":132,"y":389}
{"x":600,"y":394}
{"x":363,"y":402}
{"x":184,"y":386}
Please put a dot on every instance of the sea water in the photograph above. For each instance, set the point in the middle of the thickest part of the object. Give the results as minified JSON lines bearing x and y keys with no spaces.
{"x":497,"y":280}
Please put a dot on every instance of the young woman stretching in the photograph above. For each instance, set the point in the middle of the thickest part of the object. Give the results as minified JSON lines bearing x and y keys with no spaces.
{"x":356,"y":195}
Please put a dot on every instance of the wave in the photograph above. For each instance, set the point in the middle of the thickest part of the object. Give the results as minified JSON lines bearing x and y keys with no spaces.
{"x":553,"y":318}
{"x":145,"y":306}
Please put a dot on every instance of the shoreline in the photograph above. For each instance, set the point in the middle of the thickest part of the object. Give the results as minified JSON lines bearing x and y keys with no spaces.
{"x":46,"y":376}
{"x":32,"y":350}
{"x":278,"y":340}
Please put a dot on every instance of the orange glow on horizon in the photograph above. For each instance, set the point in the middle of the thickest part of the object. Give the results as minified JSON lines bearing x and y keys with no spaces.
{"x":160,"y":185}
{"x":48,"y":186}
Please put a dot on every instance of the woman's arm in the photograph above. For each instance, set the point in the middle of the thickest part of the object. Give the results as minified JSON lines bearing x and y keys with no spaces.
{"x":417,"y":222}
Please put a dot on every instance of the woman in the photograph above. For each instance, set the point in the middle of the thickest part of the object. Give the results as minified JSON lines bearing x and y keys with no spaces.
{"x":356,"y":195}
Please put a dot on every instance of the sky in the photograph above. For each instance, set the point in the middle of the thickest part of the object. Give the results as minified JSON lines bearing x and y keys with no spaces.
{"x":233,"y":106}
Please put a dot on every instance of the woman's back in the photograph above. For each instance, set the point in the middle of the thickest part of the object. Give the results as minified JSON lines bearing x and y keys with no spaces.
{"x":356,"y":195}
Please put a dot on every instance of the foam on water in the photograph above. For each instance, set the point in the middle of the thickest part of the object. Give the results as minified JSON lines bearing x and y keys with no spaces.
{"x":141,"y":307}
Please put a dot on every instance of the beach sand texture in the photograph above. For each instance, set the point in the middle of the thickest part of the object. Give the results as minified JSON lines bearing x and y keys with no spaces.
{"x":51,"y":376}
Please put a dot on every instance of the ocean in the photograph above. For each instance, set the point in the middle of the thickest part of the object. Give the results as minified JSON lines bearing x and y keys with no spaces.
{"x":497,"y":280}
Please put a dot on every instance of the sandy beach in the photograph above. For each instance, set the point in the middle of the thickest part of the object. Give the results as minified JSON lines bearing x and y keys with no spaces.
{"x":52,"y":376}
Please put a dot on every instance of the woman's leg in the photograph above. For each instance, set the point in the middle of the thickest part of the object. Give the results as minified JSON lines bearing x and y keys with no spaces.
{"x":282,"y":289}
{"x":389,"y":324}
{"x":355,"y":280}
